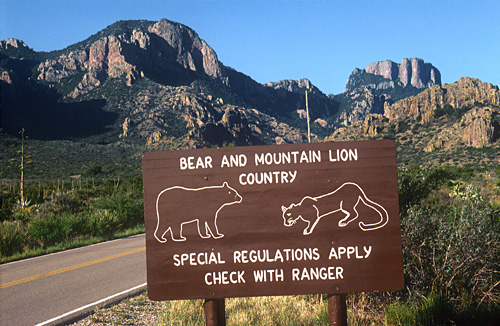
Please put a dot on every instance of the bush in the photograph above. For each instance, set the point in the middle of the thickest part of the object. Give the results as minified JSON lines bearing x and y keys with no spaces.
{"x":453,"y":251}
{"x":62,"y":202}
{"x":130,"y":210}
{"x":12,"y":238}
{"x":7,"y":202}
{"x":416,"y":183}
{"x":53,"y":229}
{"x":103,"y":222}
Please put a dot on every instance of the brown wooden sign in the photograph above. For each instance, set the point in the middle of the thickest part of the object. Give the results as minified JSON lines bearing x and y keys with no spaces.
{"x":272,"y":220}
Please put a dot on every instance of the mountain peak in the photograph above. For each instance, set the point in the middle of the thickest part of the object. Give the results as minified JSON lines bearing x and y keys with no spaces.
{"x":12,"y":42}
{"x":164,"y":51}
{"x":388,"y":74}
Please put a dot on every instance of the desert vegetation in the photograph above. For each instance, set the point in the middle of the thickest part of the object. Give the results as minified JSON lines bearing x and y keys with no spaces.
{"x":450,"y":226}
{"x":65,"y":214}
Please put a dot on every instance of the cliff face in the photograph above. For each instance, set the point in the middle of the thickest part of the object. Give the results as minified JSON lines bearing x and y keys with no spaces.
{"x":380,"y":84}
{"x":159,"y":51}
{"x":13,"y":43}
{"x":292,"y":92}
{"x":295,"y":86}
{"x":414,"y":72}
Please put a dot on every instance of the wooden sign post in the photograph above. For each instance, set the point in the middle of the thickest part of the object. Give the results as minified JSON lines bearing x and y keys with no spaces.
{"x":272,"y":220}
{"x":215,"y":312}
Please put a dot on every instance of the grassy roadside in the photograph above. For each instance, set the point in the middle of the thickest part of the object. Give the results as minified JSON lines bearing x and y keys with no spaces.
{"x":64,"y":215}
{"x":72,"y":244}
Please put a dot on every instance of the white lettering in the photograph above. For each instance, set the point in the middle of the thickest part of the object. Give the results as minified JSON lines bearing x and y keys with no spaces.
{"x":177,"y":262}
{"x":271,"y":177}
{"x":234,"y":161}
{"x":304,"y":158}
{"x":265,"y":256}
{"x":269,"y":275}
{"x":333,"y":254}
{"x":287,"y":158}
{"x":343,"y":155}
{"x":201,"y":163}
{"x":183,"y":163}
{"x":201,"y":258}
{"x":341,"y":251}
{"x":368,"y":251}
{"x":317,"y":273}
{"x":224,"y":277}
{"x":349,"y":252}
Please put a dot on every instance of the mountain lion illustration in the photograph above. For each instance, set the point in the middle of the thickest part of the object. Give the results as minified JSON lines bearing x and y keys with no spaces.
{"x":345,"y":199}
{"x":176,"y":206}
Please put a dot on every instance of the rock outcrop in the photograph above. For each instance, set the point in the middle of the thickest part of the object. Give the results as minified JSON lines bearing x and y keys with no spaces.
{"x":414,"y":72}
{"x":364,"y":102}
{"x":12,"y":42}
{"x":295,"y":86}
{"x":480,"y":127}
{"x":438,"y":122}
{"x":466,"y":92}
{"x":159,"y":50}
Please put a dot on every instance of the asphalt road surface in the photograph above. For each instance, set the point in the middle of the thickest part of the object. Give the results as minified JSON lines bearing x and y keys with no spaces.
{"x":43,"y":290}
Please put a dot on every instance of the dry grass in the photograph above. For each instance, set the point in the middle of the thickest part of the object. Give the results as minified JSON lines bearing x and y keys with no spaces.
{"x":283,"y":310}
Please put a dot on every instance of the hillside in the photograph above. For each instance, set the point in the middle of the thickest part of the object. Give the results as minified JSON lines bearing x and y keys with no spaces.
{"x":96,"y":106}
{"x":457,"y":123}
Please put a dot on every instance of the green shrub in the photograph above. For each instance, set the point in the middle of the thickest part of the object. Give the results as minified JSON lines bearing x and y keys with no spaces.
{"x":7,"y":202}
{"x":452,"y":250}
{"x":62,"y":202}
{"x":103,"y":222}
{"x":416,"y":183}
{"x":12,"y":237}
{"x":130,"y":210}
{"x":54,"y":229}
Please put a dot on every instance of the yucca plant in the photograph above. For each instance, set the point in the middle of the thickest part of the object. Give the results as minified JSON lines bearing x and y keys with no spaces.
{"x":24,"y":161}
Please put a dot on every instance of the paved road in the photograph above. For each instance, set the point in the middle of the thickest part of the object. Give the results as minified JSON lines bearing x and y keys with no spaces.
{"x":36,"y":290}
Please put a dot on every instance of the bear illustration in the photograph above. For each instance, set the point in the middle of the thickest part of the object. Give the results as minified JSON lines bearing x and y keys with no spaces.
{"x":176,"y":206}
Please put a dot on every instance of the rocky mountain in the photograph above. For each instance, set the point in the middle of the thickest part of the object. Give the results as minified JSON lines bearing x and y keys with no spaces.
{"x":141,"y":85}
{"x":455,"y":123}
{"x":382,"y":83}
{"x":414,"y":72}
{"x":164,"y":51}
{"x":292,"y":92}
{"x":136,"y":86}
{"x":132,"y":58}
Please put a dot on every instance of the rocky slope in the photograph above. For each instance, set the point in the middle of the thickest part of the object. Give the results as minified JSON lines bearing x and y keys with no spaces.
{"x":453,"y":123}
{"x":162,"y":51}
{"x":382,"y":83}
{"x":192,"y":97}
{"x":466,"y":92}
{"x":142,"y":85}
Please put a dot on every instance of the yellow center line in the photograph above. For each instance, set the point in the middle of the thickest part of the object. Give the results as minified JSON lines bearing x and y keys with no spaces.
{"x":67,"y":269}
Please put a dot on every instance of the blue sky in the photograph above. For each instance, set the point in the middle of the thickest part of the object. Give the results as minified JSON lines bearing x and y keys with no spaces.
{"x":323,"y":40}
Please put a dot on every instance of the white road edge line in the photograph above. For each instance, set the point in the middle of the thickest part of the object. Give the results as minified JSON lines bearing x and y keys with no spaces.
{"x":90,"y":305}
